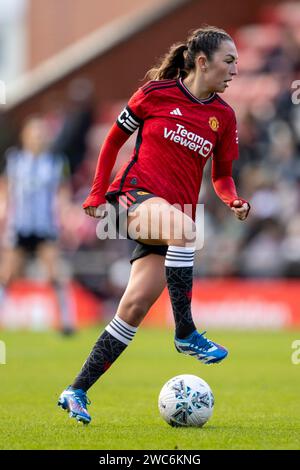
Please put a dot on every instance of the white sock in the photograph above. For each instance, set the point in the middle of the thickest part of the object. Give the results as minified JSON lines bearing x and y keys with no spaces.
{"x":120,"y":330}
{"x":180,"y":256}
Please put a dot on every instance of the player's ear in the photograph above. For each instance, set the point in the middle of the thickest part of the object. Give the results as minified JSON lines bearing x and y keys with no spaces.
{"x":201,"y":62}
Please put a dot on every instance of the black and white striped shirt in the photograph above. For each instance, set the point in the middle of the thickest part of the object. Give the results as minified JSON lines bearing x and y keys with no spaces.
{"x":33,"y":182}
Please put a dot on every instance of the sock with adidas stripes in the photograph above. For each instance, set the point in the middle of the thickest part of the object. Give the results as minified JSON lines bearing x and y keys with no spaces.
{"x":179,"y":273}
{"x":116,"y":337}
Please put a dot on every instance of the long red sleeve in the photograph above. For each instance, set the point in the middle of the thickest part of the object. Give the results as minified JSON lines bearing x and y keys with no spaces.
{"x":223,"y":182}
{"x":106,"y":160}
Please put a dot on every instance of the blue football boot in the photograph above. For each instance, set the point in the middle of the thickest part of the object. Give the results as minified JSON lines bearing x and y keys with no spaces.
{"x":75,"y":402}
{"x":203,"y":349}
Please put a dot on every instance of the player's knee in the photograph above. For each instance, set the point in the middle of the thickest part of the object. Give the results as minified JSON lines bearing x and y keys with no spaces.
{"x":183,"y":230}
{"x":6,"y":277}
{"x":189,"y":232}
{"x":135,"y":308}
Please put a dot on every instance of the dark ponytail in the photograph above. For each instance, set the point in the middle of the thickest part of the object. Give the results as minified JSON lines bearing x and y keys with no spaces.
{"x":170,"y":65}
{"x":180,"y":59}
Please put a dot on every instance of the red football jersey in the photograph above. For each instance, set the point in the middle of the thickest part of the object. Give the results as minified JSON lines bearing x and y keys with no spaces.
{"x":177,"y":134}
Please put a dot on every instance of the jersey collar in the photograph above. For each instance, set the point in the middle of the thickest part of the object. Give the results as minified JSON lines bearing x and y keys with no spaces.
{"x":192,"y":97}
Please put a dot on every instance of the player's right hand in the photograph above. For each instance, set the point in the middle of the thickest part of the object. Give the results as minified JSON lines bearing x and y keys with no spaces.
{"x":241,"y":208}
{"x":97,"y":212}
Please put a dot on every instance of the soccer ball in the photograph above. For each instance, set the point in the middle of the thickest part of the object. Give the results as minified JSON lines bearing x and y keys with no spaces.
{"x":186,"y":400}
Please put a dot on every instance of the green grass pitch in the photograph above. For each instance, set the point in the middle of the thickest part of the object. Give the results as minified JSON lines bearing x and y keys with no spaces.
{"x":256,"y":389}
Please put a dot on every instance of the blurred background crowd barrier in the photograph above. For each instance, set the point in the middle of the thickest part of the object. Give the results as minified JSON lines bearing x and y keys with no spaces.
{"x":75,"y":64}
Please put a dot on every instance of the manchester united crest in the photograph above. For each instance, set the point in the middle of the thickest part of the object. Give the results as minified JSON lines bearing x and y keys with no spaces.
{"x":214,"y":123}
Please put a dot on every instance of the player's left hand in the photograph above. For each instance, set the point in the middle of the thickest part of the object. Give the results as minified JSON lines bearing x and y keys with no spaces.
{"x":98,"y":212}
{"x":241,"y":208}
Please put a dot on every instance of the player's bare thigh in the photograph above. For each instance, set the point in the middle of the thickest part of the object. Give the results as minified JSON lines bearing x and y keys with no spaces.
{"x":160,"y":223}
{"x":146,"y":283}
{"x":12,"y":263}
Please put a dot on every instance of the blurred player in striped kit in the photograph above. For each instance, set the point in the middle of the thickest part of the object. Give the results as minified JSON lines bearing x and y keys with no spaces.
{"x":33,"y":178}
{"x":181,"y":122}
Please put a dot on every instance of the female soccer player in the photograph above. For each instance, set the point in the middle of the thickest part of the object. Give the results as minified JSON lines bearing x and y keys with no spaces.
{"x":182,"y":122}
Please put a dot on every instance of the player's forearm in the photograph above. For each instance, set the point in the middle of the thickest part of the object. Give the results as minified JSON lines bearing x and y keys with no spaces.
{"x":223,"y":182}
{"x":225,"y":189}
{"x":106,"y":161}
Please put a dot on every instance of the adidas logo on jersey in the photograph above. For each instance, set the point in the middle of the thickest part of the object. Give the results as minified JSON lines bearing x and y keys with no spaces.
{"x":177,"y":112}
